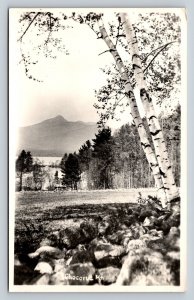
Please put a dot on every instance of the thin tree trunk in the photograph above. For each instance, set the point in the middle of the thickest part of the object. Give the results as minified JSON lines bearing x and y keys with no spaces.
{"x":150,"y":155}
{"x":154,"y":126}
{"x":21,"y":181}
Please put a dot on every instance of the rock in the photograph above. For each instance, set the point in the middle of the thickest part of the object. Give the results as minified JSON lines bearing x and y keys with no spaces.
{"x":145,"y":269}
{"x":174,"y":255}
{"x":44,"y":268}
{"x":46,"y":242}
{"x":47,"y":252}
{"x":81,"y":247}
{"x":136,"y":246}
{"x":89,"y":230}
{"x":108,"y":254}
{"x":77,"y":274}
{"x":129,"y":211}
{"x":59,"y":264}
{"x":127,"y":236}
{"x":165,"y":227}
{"x":80,"y":274}
{"x":174,"y":232}
{"x":107,"y":275}
{"x":43,"y":280}
{"x":82,"y":256}
{"x":68,"y":261}
{"x":156,"y":234}
{"x":173,"y":260}
{"x":149,"y":222}
{"x":117,"y":237}
{"x":108,"y":249}
{"x":173,"y":239}
{"x":158,"y":245}
{"x":107,"y":225}
{"x":58,"y":278}
{"x":71,"y":237}
{"x":129,"y":220}
{"x":17,"y":261}
{"x":23,"y":274}
{"x":146,"y":213}
{"x":137,"y":230}
{"x":54,"y":238}
{"x":152,"y":235}
{"x":174,"y":220}
{"x":98,"y":241}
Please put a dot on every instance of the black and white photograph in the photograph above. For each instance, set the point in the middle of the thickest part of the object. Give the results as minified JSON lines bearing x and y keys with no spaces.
{"x":97,"y":149}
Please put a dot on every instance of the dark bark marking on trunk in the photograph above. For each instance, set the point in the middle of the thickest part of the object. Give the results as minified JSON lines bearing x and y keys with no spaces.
{"x":136,"y":66}
{"x":135,"y":55}
{"x":145,"y":145}
{"x":162,"y":173}
{"x":156,"y":132}
{"x":152,"y":117}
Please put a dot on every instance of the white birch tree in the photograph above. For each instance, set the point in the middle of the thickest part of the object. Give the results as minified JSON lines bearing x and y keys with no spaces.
{"x":155,"y":129}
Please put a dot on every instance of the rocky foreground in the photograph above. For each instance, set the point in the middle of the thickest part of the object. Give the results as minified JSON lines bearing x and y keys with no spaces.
{"x":119,"y":244}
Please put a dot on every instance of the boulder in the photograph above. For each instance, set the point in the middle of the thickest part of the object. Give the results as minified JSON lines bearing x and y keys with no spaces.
{"x":127,"y":236}
{"x":116,"y":237}
{"x":145,"y":269}
{"x":173,"y":260}
{"x":173,"y":239}
{"x":129,"y":220}
{"x":98,"y":241}
{"x":17,"y":262}
{"x":107,"y":225}
{"x":174,"y":255}
{"x":76,"y":274}
{"x":59,"y":264}
{"x":79,"y":274}
{"x":146,"y":213}
{"x":137,"y":230}
{"x":43,"y":268}
{"x":136,"y":246}
{"x":23,"y":274}
{"x":89,"y":230}
{"x":46,"y":242}
{"x":107,"y":275}
{"x":58,"y":278}
{"x":82,"y":256}
{"x":152,"y":235}
{"x":71,"y":237}
{"x":108,"y":254}
{"x":45,"y":252}
{"x":43,"y":280}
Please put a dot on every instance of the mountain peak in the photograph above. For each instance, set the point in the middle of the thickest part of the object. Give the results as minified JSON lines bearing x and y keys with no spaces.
{"x":59,"y":118}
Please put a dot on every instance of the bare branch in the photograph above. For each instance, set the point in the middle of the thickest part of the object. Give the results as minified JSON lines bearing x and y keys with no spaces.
{"x":110,"y":50}
{"x":20,"y":39}
{"x":161,"y":49}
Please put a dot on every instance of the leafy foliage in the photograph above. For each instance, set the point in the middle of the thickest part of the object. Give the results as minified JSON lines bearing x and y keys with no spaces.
{"x":24,"y":164}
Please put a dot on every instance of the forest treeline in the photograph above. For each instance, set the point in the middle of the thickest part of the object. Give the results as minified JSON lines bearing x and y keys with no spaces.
{"x":117,"y":160}
{"x":110,"y":161}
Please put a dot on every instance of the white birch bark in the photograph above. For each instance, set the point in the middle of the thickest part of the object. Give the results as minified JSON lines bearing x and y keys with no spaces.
{"x":154,"y":126}
{"x":150,"y":155}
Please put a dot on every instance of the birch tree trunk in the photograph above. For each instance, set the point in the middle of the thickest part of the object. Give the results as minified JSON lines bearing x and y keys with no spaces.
{"x":150,"y":155}
{"x":154,"y":126}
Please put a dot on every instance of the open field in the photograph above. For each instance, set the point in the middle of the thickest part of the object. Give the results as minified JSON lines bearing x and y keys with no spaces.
{"x":44,"y":206}
{"x":66,"y":198}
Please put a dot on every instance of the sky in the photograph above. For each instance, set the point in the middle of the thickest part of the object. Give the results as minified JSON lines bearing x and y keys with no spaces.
{"x":67,"y":82}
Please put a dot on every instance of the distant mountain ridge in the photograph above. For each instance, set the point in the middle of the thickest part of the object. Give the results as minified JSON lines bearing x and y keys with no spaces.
{"x":55,"y":136}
